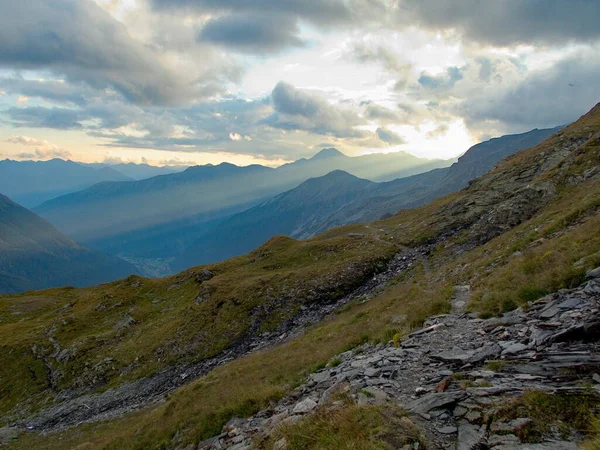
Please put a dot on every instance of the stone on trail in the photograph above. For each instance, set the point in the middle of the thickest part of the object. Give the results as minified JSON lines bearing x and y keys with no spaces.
{"x":304,"y":406}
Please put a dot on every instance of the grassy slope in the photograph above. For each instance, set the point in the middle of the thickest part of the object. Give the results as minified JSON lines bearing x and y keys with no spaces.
{"x":550,"y":250}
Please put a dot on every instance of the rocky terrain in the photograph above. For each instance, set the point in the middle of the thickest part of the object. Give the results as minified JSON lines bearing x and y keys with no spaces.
{"x":453,"y":373}
{"x":75,"y":409}
{"x":234,"y":340}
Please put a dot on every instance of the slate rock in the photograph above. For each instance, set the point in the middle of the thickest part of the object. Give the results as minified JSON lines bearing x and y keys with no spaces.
{"x":514,"y":349}
{"x":470,"y":437}
{"x":304,"y":406}
{"x":595,"y":273}
{"x":435,"y":400}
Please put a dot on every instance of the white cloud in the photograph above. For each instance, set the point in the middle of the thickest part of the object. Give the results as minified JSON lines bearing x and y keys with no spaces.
{"x":43,"y":149}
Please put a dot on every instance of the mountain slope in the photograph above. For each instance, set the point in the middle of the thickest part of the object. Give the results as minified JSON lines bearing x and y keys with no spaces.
{"x":33,"y":255}
{"x":295,"y":213}
{"x":139,"y":171}
{"x":420,"y":189}
{"x":523,"y":230}
{"x":160,"y":216}
{"x":310,"y":209}
{"x":31,"y":183}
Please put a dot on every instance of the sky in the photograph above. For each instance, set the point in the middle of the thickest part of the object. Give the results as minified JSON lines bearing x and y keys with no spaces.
{"x":184,"y":82}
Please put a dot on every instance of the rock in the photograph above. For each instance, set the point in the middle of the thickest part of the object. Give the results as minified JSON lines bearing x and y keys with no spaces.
{"x":304,"y":406}
{"x":372,"y":372}
{"x":519,"y":424}
{"x":426,"y":330}
{"x":513,"y":349}
{"x":596,"y":378}
{"x":553,"y":445}
{"x":550,"y":311}
{"x":456,"y":355}
{"x":379,"y":397}
{"x":473,"y":416}
{"x":595,"y":273}
{"x":319,"y":377}
{"x":488,"y":352}
{"x":447,"y":430}
{"x":435,"y":400}
{"x":470,"y":437}
{"x":460,"y":411}
{"x":203,"y":275}
{"x":420,"y":391}
{"x":507,"y":441}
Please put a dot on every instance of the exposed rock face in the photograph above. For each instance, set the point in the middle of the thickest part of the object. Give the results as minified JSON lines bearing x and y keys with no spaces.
{"x":533,"y":349}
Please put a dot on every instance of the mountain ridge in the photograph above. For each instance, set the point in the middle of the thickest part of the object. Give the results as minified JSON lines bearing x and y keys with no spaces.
{"x":34,"y":255}
{"x":516,"y":234}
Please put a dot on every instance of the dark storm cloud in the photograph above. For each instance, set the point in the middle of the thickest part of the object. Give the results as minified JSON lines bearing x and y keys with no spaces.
{"x":38,"y":117}
{"x":390,"y":137}
{"x":444,"y":81}
{"x":296,"y":109}
{"x":252,"y":33}
{"x":510,"y":22}
{"x":52,"y":90}
{"x":318,"y":11}
{"x":546,"y":98}
{"x":80,"y":40}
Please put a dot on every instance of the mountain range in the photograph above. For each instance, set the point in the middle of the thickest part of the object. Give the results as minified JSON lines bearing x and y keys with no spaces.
{"x":339,"y":198}
{"x":34,"y":255}
{"x":159,"y":217}
{"x":31,"y":183}
{"x":168,"y":363}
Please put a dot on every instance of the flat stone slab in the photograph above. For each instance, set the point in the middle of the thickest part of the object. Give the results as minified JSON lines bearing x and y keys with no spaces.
{"x":435,"y":400}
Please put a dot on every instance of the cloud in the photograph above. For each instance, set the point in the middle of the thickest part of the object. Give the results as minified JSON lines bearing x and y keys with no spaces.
{"x":389,"y":60}
{"x":504,"y":23}
{"x":381,"y":114}
{"x":43,"y":149}
{"x":317,"y":11}
{"x":296,"y":109}
{"x":443,"y":81}
{"x":252,"y":33}
{"x":235,"y":137}
{"x":390,"y":137}
{"x":52,"y":90}
{"x":39,"y":117}
{"x":78,"y":39}
{"x":544,"y":98}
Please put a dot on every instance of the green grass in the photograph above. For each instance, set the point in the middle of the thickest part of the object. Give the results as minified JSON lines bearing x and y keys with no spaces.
{"x":169,"y":325}
{"x":554,"y":247}
{"x":349,"y":427}
{"x":564,"y":414}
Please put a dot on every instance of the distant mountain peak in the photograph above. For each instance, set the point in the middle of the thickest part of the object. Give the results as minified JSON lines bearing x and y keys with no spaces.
{"x":329,"y":153}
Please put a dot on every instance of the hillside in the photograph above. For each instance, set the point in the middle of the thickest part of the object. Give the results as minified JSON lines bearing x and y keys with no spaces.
{"x":295,"y":213}
{"x":33,"y":255}
{"x":420,"y":189}
{"x":161,"y":216}
{"x":138,"y":171}
{"x":334,"y":200}
{"x":31,"y":183}
{"x":524,"y":230}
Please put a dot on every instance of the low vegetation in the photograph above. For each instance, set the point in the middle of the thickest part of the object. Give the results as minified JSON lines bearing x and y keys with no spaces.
{"x":558,"y":416}
{"x":177,"y":318}
{"x":350,"y":427}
